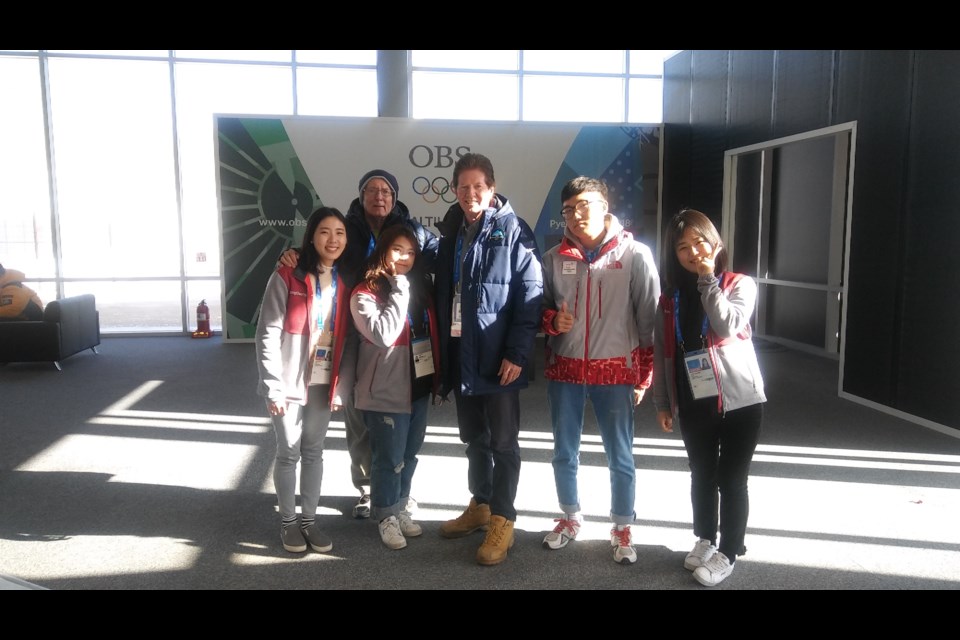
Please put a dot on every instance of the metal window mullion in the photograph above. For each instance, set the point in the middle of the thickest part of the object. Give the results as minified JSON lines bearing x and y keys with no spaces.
{"x":55,"y":236}
{"x":763,"y":235}
{"x":184,"y":318}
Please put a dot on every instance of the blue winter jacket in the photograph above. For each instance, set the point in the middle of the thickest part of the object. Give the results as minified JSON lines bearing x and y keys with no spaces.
{"x":501,"y":293}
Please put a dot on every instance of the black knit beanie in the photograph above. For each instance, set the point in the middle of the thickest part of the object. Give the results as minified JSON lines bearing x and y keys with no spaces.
{"x":380,"y":173}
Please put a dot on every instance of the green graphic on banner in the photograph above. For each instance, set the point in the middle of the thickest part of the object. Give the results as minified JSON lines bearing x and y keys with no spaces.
{"x":265,"y":200}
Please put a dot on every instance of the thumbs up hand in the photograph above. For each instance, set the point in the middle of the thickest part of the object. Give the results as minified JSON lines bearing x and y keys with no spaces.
{"x":563,"y":321}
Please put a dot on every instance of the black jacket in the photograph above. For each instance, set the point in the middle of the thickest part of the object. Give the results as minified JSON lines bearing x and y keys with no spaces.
{"x":353,"y":263}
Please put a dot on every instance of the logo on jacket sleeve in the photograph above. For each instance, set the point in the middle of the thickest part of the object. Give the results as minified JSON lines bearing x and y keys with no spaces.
{"x":496,"y":236}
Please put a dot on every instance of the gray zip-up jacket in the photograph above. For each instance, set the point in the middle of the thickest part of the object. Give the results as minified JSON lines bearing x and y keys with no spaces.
{"x":729,"y":305}
{"x":384,"y":360}
{"x":287,"y":335}
{"x":613,"y":299}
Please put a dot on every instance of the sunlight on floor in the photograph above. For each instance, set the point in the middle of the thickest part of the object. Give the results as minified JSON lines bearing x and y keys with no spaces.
{"x":89,"y":555}
{"x":886,"y":529}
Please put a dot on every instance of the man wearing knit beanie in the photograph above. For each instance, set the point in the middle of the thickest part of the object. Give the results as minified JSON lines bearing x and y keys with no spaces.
{"x":376,"y":208}
{"x":378,"y":192}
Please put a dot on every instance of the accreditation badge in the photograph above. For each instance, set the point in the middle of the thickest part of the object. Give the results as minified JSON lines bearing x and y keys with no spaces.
{"x":456,"y":325}
{"x":703,"y":382}
{"x":422,"y":357}
{"x":322,"y":366}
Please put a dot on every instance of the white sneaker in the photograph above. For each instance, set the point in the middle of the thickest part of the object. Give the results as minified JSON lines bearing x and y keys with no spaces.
{"x":622,"y":542}
{"x":565,"y":531}
{"x":702,"y":551}
{"x":714,"y":571}
{"x":408,"y":527}
{"x":390,"y":533}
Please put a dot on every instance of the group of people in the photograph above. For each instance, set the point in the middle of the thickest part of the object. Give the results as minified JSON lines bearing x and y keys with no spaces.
{"x":375,"y":315}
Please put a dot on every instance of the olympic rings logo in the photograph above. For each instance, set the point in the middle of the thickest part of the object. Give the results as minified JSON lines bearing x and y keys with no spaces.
{"x":433,"y":190}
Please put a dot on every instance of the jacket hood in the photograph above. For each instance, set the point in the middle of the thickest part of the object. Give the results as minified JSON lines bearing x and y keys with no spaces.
{"x":614,"y":229}
{"x":356,"y":217}
{"x":453,"y":218}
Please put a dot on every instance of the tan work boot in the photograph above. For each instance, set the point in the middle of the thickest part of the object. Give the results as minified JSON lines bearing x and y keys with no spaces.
{"x":498,"y":541}
{"x":475,"y":516}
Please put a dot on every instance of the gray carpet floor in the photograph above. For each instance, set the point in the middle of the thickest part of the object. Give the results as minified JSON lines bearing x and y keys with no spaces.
{"x":148,"y":466}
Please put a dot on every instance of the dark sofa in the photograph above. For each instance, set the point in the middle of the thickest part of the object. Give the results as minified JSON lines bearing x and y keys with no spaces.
{"x":69,"y":326}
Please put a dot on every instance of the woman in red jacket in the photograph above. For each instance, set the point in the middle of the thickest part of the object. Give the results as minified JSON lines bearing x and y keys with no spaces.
{"x":301,"y":334}
{"x":706,"y":377}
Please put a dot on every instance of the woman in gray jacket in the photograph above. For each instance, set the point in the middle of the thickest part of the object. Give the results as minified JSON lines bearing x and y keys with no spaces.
{"x":396,"y":374}
{"x":301,"y":334}
{"x":706,"y":376}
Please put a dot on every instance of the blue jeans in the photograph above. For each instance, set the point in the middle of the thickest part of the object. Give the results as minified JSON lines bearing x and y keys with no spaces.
{"x":613,"y":407}
{"x":395,"y":441}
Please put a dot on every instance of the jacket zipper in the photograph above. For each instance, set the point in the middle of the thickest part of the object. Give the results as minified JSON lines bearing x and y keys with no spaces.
{"x":600,"y":300}
{"x":586,"y":337}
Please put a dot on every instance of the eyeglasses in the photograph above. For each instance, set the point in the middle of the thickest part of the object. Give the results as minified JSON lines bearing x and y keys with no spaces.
{"x":386,"y":193}
{"x":579,"y":208}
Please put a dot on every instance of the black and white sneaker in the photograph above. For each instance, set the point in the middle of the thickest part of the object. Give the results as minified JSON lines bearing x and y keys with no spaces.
{"x":362,"y":508}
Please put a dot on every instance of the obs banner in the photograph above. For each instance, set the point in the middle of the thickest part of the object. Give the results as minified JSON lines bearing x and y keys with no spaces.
{"x":272,"y":172}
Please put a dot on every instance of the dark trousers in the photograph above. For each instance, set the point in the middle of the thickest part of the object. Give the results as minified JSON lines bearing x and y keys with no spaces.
{"x":720,"y":449}
{"x":490,"y":427}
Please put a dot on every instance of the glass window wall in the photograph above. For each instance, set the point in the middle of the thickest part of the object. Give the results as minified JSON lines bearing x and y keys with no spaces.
{"x":108,"y":180}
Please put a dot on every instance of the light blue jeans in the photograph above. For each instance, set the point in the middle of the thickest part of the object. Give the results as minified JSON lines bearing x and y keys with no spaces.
{"x":395,"y":441}
{"x":300,"y":435}
{"x":613,"y":407}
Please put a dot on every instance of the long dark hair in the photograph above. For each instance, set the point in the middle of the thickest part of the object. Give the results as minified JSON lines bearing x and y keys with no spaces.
{"x":309,"y":258}
{"x":673,"y":272}
{"x":377,"y":266}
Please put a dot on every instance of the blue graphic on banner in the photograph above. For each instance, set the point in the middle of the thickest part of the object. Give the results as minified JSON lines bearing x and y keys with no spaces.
{"x":618,"y":155}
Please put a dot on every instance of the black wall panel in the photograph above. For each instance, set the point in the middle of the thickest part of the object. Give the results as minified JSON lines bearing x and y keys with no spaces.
{"x":676,"y":88}
{"x":803,"y":86}
{"x":676,"y":132}
{"x":929,"y":343}
{"x":801,"y":207}
{"x":903,"y":313}
{"x":747,"y":231}
{"x":875,"y":90}
{"x":751,"y":97}
{"x":708,"y":120}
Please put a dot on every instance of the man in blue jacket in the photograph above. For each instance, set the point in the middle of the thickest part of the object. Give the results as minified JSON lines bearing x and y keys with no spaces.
{"x":489,"y":286}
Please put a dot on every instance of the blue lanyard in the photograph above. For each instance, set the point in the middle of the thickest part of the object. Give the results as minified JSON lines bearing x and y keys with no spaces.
{"x":370,"y":245}
{"x":456,"y":259}
{"x":676,"y":321}
{"x":333,"y":309}
{"x":426,"y":322}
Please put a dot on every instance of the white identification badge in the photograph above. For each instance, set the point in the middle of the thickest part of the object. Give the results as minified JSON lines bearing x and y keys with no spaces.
{"x":422,"y":357}
{"x":703,"y":383}
{"x":569,"y":268}
{"x":322,"y":366}
{"x":456,"y":324}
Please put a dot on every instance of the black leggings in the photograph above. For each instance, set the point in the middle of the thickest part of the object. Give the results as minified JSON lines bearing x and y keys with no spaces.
{"x":720,"y":449}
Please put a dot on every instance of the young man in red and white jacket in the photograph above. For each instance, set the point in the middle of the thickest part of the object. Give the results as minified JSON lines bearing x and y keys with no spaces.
{"x":600,"y":299}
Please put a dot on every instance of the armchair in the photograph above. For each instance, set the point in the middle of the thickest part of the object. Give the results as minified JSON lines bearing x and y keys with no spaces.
{"x":69,"y":326}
